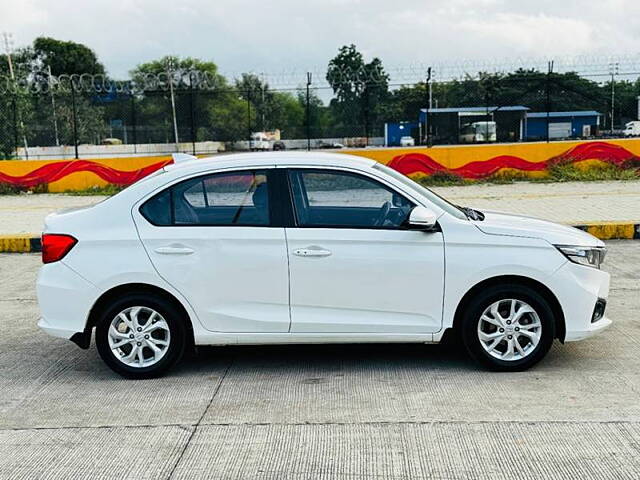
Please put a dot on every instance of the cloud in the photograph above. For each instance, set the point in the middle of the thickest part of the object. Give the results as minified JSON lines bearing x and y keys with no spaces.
{"x":243,"y":35}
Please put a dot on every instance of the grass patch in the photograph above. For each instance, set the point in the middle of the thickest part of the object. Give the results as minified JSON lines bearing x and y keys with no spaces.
{"x":107,"y":190}
{"x":570,"y":172}
{"x":9,"y":189}
{"x":560,"y":172}
{"x":443,"y":179}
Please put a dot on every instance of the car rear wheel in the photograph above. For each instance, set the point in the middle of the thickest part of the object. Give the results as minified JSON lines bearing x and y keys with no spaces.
{"x":508,"y":327}
{"x":140,"y":336}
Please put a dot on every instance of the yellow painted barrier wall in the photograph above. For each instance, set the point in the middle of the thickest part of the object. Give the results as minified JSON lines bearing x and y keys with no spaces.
{"x":477,"y":161}
{"x":468,"y":161}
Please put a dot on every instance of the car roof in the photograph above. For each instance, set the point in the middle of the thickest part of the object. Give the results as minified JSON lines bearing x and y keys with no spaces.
{"x":223,"y":161}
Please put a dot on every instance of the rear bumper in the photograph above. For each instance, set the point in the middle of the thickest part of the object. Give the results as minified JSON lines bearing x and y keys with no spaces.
{"x":65,"y":299}
{"x":55,"y":331}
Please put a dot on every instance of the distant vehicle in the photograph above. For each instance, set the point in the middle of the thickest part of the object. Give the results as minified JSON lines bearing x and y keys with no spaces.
{"x":260,"y":141}
{"x":298,"y":247}
{"x":407,"y":142}
{"x":279,"y":145}
{"x":632,"y":129}
{"x":478,"y":132}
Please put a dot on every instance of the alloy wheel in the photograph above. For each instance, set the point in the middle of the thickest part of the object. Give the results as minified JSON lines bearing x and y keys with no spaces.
{"x":139,"y":337}
{"x":509,"y":329}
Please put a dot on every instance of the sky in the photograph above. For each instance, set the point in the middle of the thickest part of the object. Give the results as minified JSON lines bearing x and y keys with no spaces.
{"x":284,"y":35}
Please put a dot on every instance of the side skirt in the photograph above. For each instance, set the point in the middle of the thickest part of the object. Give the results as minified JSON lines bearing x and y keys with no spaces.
{"x":302,"y":338}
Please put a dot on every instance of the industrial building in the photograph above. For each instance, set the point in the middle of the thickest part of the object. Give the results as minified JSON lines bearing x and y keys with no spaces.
{"x":513,"y":123}
{"x":562,"y":125}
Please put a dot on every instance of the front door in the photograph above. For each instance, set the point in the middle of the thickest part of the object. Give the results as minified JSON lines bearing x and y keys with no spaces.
{"x":212,"y":238}
{"x":354,"y":267}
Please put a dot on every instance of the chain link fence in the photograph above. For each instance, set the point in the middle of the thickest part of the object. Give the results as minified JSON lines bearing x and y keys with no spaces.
{"x":190,"y":111}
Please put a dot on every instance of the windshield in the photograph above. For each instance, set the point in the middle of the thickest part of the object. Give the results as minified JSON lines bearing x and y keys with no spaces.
{"x":432,"y":196}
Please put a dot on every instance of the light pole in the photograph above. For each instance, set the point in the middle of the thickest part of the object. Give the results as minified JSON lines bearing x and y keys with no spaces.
{"x":614,"y":69}
{"x":8,"y":46}
{"x":173,"y":102}
{"x":53,"y":107}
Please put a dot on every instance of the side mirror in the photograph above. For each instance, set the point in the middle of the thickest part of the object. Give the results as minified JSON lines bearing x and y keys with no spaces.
{"x":421,"y":218}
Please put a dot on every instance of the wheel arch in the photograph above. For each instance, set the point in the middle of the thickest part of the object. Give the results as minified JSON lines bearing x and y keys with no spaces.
{"x":83,"y":338}
{"x":539,"y":287}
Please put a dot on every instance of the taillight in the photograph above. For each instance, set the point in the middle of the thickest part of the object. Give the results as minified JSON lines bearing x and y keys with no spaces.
{"x":55,"y":246}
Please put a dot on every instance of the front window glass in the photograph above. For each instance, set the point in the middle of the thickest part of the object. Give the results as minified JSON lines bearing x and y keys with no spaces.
{"x":425,"y":192}
{"x":325,"y":198}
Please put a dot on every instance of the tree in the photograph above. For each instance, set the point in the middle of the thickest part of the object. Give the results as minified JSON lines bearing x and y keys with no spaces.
{"x":65,"y":57}
{"x":360,"y":89}
{"x":273,"y":109}
{"x":218,"y":111}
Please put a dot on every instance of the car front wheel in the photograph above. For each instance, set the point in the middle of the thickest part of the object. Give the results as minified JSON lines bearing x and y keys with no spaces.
{"x":508,"y":328}
{"x":140,"y":336}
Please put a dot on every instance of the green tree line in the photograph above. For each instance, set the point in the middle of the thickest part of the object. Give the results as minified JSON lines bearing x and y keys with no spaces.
{"x":359,"y":99}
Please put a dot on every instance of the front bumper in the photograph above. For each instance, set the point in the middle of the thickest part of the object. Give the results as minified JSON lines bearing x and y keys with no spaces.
{"x":592,"y":329}
{"x":578,"y":288}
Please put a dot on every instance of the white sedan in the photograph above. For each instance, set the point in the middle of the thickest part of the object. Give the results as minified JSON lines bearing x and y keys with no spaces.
{"x":266,"y":248}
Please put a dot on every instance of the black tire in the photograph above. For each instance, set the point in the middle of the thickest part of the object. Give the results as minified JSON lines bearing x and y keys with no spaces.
{"x":177,"y":328}
{"x":475,"y":309}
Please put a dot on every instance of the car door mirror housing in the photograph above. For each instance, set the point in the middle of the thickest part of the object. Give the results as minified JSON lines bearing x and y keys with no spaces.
{"x":422,"y":218}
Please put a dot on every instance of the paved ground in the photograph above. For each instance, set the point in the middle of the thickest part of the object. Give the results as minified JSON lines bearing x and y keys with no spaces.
{"x":321,"y":412}
{"x":572,"y":203}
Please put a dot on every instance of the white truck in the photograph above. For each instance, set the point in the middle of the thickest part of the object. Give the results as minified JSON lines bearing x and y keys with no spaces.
{"x":632,"y":129}
{"x":478,"y":132}
{"x":260,"y":142}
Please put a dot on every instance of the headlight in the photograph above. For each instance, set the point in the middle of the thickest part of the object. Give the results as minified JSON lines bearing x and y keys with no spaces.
{"x":588,"y":256}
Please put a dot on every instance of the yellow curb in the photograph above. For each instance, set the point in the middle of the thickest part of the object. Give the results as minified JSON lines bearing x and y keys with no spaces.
{"x":22,"y":243}
{"x":611,"y":230}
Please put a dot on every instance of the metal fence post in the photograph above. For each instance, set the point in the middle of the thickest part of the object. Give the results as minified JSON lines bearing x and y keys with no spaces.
{"x":74,"y":119}
{"x":15,"y":124}
{"x":249,"y":117}
{"x":427,"y":117}
{"x":548,"y":94}
{"x":191,"y":108}
{"x":366,"y":114}
{"x":134,"y":129}
{"x":308,"y":113}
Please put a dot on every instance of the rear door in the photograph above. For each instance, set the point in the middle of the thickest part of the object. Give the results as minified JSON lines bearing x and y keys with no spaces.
{"x":354,"y":266}
{"x":216,"y":239}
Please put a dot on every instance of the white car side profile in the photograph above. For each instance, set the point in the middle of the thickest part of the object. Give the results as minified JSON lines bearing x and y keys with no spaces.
{"x":266,"y":248}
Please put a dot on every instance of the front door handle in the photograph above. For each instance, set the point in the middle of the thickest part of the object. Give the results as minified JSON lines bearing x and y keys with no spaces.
{"x":174,"y":250}
{"x":312,"y":252}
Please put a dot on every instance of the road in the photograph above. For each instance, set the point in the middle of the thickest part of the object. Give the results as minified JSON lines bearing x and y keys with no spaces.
{"x":321,"y":412}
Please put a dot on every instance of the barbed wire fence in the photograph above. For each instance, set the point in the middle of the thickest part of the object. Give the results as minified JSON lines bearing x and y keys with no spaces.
{"x":183,"y":109}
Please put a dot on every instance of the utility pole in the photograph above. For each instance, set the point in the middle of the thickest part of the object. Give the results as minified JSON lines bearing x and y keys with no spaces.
{"x":548,"y":94}
{"x":53,"y":108}
{"x":614,"y":68}
{"x":8,"y":46}
{"x":8,"y":42}
{"x":173,"y":102}
{"x":263,"y":86}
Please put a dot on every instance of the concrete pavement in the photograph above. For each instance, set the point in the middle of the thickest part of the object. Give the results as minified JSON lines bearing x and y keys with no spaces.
{"x":610,"y":209}
{"x":321,"y":412}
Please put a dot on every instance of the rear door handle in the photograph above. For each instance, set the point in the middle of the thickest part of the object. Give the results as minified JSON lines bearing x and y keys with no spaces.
{"x":174,"y":250}
{"x":311,"y":252}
